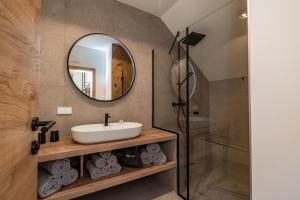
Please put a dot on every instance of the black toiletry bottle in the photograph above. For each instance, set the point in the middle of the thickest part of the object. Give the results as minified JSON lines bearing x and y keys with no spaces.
{"x":42,"y":138}
{"x":57,"y":135}
{"x":54,"y":136}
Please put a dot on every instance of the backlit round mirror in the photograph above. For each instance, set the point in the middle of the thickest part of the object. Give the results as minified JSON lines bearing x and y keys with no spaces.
{"x":180,"y":78}
{"x":101,"y":67}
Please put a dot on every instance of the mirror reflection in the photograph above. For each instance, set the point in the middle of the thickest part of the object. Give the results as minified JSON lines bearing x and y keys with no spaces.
{"x":101,"y":67}
{"x":178,"y":78}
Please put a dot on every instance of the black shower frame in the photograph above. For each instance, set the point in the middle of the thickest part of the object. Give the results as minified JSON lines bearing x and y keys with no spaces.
{"x":187,"y":120}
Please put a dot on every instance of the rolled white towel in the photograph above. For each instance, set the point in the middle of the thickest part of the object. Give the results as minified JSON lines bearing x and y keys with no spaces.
{"x":48,"y":184}
{"x":105,"y":155}
{"x":56,"y":167}
{"x":159,"y":158}
{"x":146,"y":157}
{"x":153,"y":148}
{"x":94,"y":171}
{"x":69,"y":176}
{"x":112,"y":160}
{"x":116,"y":168}
{"x":98,"y":161}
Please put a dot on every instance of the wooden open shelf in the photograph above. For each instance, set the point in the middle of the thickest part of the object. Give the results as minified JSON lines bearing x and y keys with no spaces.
{"x":85,"y":185}
{"x":68,"y":148}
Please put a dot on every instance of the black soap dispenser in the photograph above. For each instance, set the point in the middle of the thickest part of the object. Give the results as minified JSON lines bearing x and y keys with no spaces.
{"x":54,"y":136}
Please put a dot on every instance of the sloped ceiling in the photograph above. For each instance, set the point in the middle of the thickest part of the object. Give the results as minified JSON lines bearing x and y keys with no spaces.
{"x":223,"y":53}
{"x":186,"y":12}
{"x":155,"y":7}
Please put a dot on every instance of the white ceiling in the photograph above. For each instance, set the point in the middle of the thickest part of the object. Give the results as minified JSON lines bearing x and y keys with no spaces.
{"x":186,"y":12}
{"x":178,"y":14}
{"x":223,"y":53}
{"x":155,"y":7}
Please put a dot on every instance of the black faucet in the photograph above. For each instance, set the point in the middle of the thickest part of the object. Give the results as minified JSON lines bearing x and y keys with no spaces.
{"x":106,"y":119}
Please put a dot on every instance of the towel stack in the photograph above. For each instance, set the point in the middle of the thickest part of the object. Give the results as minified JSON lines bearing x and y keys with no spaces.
{"x":153,"y":154}
{"x":48,"y":184}
{"x":103,"y":164}
{"x":55,"y":174}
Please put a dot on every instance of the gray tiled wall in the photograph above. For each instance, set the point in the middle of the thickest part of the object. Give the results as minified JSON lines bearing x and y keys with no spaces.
{"x":62,"y":23}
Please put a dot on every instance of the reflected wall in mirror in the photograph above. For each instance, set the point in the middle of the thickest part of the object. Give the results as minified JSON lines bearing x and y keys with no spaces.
{"x":101,"y":67}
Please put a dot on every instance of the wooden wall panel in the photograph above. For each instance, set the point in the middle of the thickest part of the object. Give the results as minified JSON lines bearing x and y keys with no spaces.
{"x":120,"y":59}
{"x":19,"y":60}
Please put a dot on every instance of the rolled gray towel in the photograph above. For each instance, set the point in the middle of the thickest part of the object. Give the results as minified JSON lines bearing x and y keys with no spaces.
{"x":116,"y":168}
{"x":105,"y":155}
{"x":56,"y":167}
{"x":106,"y":170}
{"x":94,"y":171}
{"x":112,"y":160}
{"x":146,"y":157}
{"x":153,"y":148}
{"x":69,"y":176}
{"x":98,"y":161}
{"x":159,"y":158}
{"x":48,"y":184}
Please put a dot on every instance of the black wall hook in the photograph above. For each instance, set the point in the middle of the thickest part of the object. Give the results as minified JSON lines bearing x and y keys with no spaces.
{"x":46,"y":125}
{"x":36,"y":123}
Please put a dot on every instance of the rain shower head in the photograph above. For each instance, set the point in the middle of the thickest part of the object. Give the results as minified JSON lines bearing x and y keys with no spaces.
{"x":193,"y":38}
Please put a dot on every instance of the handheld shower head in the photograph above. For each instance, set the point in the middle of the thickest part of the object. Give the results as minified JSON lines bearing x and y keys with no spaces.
{"x":184,"y":80}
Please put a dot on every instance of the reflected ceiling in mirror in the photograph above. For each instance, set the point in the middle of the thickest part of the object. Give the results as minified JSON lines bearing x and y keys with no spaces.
{"x":101,"y":67}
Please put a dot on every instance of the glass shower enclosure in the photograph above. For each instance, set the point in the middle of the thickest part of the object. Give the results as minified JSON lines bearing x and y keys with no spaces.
{"x":200,"y":93}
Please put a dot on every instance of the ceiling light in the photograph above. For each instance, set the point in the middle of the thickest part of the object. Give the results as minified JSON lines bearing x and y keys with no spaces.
{"x":243,"y":15}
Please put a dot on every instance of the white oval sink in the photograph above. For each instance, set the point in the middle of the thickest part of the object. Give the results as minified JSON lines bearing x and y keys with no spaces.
{"x":97,"y":133}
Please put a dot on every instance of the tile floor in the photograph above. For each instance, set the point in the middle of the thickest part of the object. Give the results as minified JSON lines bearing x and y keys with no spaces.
{"x":147,"y":188}
{"x":217,"y":184}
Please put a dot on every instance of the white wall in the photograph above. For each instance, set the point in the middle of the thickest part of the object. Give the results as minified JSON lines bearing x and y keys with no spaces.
{"x":274,"y":31}
{"x":108,"y":76}
{"x":86,"y":57}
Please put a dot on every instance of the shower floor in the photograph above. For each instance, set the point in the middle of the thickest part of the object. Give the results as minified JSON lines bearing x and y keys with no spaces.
{"x":218,"y":172}
{"x":219,"y":182}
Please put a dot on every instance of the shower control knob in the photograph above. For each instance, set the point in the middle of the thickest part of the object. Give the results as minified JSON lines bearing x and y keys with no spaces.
{"x":35,"y":147}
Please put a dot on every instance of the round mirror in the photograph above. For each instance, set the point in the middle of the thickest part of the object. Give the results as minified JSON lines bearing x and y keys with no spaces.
{"x":101,"y":67}
{"x":179,"y":78}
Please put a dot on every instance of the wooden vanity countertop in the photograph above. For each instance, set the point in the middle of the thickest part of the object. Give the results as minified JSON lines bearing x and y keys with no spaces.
{"x":67,"y":147}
